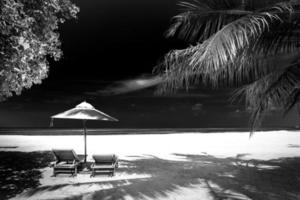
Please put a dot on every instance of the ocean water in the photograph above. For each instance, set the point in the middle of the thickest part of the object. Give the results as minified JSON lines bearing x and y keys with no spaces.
{"x":122,"y":131}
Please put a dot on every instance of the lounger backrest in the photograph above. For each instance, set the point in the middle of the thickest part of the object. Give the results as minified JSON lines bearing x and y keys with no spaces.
{"x":65,"y":155}
{"x":111,"y":158}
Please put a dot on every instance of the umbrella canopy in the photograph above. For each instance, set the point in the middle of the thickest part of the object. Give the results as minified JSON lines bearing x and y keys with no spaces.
{"x":83,"y":111}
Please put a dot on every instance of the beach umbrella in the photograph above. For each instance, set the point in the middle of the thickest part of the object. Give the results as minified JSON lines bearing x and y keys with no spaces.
{"x":83,"y":111}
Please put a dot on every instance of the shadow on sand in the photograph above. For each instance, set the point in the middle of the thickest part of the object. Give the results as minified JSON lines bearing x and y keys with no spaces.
{"x":225,"y":178}
{"x":20,"y":171}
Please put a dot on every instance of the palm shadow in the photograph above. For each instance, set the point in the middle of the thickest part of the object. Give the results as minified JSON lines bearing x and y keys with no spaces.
{"x":20,"y":171}
{"x":225,"y":178}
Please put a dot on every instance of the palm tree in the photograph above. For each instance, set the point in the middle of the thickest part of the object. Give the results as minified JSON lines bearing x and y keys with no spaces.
{"x":251,"y":45}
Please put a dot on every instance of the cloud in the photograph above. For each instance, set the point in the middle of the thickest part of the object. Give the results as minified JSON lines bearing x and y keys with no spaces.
{"x":127,"y":86}
{"x":142,"y":83}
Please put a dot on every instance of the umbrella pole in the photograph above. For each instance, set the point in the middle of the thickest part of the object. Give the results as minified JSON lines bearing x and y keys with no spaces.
{"x":84,"y":129}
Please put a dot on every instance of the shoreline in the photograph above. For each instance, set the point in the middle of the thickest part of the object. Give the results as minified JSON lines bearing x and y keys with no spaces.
{"x":130,"y":131}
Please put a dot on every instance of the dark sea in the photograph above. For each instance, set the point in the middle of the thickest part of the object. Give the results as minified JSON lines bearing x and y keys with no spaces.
{"x":128,"y":131}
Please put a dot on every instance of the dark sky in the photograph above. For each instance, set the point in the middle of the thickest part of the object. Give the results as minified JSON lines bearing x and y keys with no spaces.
{"x":111,"y":50}
{"x":114,"y":39}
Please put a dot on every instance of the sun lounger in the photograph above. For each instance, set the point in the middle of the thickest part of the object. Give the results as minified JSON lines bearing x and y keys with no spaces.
{"x":104,"y":164}
{"x":67,"y":161}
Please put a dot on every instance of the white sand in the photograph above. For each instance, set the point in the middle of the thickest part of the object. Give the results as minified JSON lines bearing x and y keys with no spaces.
{"x":67,"y":191}
{"x":49,"y":180}
{"x":82,"y":184}
{"x":263,"y":145}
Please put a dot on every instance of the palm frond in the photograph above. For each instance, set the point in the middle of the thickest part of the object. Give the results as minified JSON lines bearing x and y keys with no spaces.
{"x":279,"y":90}
{"x":293,"y":101}
{"x":229,"y":50}
{"x":223,"y":47}
{"x":200,"y":19}
{"x":257,"y":50}
{"x":251,"y":67}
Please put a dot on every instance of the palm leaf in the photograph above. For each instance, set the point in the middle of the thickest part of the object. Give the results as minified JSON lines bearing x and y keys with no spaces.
{"x":224,"y":46}
{"x":256,"y":48}
{"x":201,"y":19}
{"x":221,"y":51}
{"x":279,"y":89}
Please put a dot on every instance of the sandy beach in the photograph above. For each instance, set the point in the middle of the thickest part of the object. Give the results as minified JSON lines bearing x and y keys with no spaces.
{"x":263,"y":145}
{"x":140,"y":155}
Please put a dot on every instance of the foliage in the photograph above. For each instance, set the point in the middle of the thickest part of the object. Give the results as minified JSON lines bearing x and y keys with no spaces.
{"x":252,"y":45}
{"x":28,"y":37}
